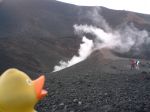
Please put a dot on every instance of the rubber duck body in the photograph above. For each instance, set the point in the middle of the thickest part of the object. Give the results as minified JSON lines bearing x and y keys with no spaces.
{"x":18,"y":93}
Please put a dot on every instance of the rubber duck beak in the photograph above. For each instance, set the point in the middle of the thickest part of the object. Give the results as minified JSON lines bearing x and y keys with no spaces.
{"x":38,"y":85}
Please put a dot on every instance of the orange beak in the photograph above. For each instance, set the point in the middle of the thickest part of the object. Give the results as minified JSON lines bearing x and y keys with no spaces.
{"x":38,"y":85}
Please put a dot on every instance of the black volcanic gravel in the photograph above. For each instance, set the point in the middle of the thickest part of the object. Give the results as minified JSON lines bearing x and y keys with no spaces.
{"x":98,"y":85}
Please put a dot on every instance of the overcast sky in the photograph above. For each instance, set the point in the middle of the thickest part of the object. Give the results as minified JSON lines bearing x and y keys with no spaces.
{"x":141,"y":6}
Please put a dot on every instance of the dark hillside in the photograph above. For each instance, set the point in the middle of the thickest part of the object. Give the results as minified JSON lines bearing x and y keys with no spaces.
{"x":35,"y":35}
{"x":42,"y":55}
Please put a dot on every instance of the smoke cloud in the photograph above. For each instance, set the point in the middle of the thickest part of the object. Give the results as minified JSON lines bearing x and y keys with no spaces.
{"x":84,"y":51}
{"x":122,"y":40}
{"x":97,"y":19}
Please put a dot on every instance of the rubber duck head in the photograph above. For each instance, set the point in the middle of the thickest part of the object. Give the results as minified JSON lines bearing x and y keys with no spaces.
{"x":18,"y":93}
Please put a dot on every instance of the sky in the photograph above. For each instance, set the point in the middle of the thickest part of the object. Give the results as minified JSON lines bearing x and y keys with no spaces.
{"x":141,"y":6}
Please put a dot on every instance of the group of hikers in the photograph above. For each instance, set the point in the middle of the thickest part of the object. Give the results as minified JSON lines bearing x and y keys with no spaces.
{"x":134,"y":64}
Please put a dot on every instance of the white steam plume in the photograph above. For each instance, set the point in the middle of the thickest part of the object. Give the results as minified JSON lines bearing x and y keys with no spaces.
{"x":97,"y":18}
{"x":84,"y":51}
{"x":122,"y":40}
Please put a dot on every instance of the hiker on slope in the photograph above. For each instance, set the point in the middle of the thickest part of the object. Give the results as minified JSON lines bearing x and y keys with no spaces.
{"x":133,"y":64}
{"x":137,"y":64}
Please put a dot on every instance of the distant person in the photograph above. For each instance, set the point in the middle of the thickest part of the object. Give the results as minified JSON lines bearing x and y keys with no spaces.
{"x":137,"y":64}
{"x":133,"y":63}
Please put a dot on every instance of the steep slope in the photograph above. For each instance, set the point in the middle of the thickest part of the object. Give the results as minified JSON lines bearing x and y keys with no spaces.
{"x":36,"y":18}
{"x":29,"y":31}
{"x":35,"y":55}
{"x":35,"y":34}
{"x":47,"y":18}
{"x":116,"y":18}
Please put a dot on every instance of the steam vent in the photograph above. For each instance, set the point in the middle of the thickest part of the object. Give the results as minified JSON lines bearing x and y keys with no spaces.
{"x":95,"y":55}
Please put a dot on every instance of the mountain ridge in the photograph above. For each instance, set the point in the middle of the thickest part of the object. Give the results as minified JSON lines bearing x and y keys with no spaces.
{"x":49,"y":24}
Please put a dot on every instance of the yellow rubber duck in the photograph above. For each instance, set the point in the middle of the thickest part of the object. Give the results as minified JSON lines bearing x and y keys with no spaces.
{"x":18,"y":93}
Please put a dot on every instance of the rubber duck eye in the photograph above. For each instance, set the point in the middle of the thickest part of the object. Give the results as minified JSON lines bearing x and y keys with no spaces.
{"x":28,"y":82}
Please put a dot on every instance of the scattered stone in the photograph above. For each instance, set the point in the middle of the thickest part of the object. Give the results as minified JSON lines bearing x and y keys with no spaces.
{"x":71,"y":111}
{"x":79,"y":103}
{"x":61,"y":104}
{"x":106,"y":108}
{"x":87,"y":107}
{"x":75,"y":100}
{"x":105,"y":94}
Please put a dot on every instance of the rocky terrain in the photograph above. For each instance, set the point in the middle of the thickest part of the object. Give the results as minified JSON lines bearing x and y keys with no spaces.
{"x":99,"y":84}
{"x":35,"y":36}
